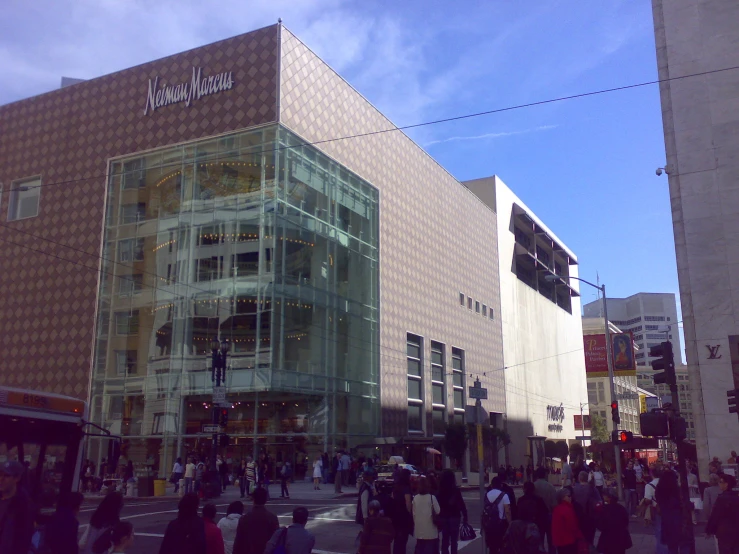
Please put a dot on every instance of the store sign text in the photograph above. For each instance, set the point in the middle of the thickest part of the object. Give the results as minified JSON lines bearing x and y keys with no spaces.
{"x":164,"y":95}
{"x":556,"y":413}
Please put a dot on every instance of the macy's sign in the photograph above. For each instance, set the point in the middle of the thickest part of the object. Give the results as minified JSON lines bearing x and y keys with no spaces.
{"x":198,"y":87}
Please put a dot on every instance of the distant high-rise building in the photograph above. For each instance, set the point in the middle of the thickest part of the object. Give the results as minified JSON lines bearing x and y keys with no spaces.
{"x":651,"y":317}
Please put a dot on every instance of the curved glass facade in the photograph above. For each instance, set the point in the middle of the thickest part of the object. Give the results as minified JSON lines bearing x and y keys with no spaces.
{"x":253,"y":238}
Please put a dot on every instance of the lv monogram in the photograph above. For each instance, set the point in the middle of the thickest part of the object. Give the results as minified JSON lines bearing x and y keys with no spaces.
{"x":713,"y":352}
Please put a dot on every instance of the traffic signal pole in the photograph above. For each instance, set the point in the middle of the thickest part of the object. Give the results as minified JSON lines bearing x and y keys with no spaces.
{"x":612,"y":383}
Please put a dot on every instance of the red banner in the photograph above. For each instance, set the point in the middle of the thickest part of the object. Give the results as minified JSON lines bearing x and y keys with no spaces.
{"x":578,"y":422}
{"x":596,"y":360}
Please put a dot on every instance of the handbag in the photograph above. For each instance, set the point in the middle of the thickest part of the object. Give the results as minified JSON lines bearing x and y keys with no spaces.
{"x":436,"y":517}
{"x":466,"y":532}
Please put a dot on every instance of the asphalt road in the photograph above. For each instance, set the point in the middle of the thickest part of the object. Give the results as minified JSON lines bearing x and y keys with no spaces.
{"x":331,"y":519}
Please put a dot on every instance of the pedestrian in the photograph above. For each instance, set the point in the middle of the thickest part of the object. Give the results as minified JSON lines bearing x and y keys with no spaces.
{"x":506,"y":488}
{"x":724,"y":522}
{"x":546,"y":491}
{"x":651,"y":510}
{"x":346,"y":463}
{"x":121,"y":537}
{"x":317,"y":473}
{"x":251,"y":476}
{"x":177,"y":473}
{"x":629,"y":485}
{"x":325,"y":467}
{"x":402,"y":510}
{"x":597,"y":478}
{"x":286,"y":474}
{"x":16,"y":519}
{"x":104,"y":518}
{"x":60,"y":536}
{"x":185,"y":533}
{"x":425,"y":506}
{"x":733,"y":458}
{"x":667,"y":494}
{"x":613,"y":522}
{"x":529,"y":472}
{"x":229,"y":524}
{"x":586,"y":501}
{"x":532,"y":508}
{"x":241,"y":476}
{"x":566,"y":534}
{"x":498,"y":505}
{"x":199,"y":472}
{"x":694,"y":493}
{"x":640,"y":483}
{"x":223,"y":473}
{"x":338,"y":477}
{"x":255,"y":527}
{"x":295,"y":539}
{"x":453,"y":511}
{"x":213,"y":536}
{"x":378,"y":531}
{"x":189,"y":475}
{"x":364,"y":497}
{"x":710,"y":495}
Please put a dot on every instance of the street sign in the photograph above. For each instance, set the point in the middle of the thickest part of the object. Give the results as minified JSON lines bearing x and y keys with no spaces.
{"x":219,"y":395}
{"x":211,"y":428}
{"x":478,"y":392}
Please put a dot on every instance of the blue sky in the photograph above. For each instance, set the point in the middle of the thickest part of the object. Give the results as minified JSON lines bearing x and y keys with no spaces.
{"x":586,"y":167}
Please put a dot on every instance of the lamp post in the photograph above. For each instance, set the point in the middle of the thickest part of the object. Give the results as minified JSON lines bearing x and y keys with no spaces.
{"x":609,"y":356}
{"x":219,"y":350}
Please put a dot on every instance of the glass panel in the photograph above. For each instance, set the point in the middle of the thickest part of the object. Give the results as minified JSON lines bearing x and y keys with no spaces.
{"x":414,"y":389}
{"x":436,"y":357}
{"x":437,"y":373}
{"x":438,"y":394}
{"x":413,"y":350}
{"x":458,"y":398}
{"x":414,"y":417}
{"x":439,"y":422}
{"x":414,"y":367}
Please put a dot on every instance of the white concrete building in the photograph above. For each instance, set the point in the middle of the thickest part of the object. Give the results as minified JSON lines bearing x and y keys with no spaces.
{"x":542,"y":331}
{"x":651,"y":317}
{"x":696,"y":42}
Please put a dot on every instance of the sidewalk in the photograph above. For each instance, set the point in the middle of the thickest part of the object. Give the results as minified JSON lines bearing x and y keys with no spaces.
{"x":643,"y":539}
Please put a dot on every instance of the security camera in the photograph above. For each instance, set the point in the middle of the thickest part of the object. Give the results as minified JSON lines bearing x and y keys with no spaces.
{"x":659,"y":172}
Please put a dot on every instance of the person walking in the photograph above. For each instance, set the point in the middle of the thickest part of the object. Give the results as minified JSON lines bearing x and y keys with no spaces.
{"x":724,"y":522}
{"x":566,"y":533}
{"x":199,"y":472}
{"x":364,"y":497}
{"x":185,"y":533}
{"x":667,"y":494}
{"x":377,"y":533}
{"x":500,"y":501}
{"x":325,"y":461}
{"x":213,"y":536}
{"x":61,"y":532}
{"x":586,"y":501}
{"x":177,"y":472}
{"x":317,"y":473}
{"x":229,"y":524}
{"x":597,"y":478}
{"x":453,"y":511}
{"x":402,"y":511}
{"x":241,"y":476}
{"x":425,"y":506}
{"x":223,"y":474}
{"x":613,"y":522}
{"x":346,"y":463}
{"x":546,"y":491}
{"x":710,"y":495}
{"x":338,"y":478}
{"x":255,"y":527}
{"x":567,"y":475}
{"x":189,"y":475}
{"x":286,"y":474}
{"x":533,"y":509}
{"x":16,"y":518}
{"x":629,"y":485}
{"x":121,"y":537}
{"x":650,"y":491}
{"x":103,"y":519}
{"x":506,"y":488}
{"x":295,"y":539}
{"x":694,"y":493}
{"x":251,"y":476}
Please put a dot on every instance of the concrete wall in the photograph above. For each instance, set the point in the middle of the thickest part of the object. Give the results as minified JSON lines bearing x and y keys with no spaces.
{"x":701,"y":126}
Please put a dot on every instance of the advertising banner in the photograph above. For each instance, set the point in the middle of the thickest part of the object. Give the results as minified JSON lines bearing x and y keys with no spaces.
{"x":596,"y":364}
{"x":579,"y":420}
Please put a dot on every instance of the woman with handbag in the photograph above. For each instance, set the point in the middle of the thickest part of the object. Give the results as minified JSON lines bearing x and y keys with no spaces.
{"x":613,"y":523}
{"x":97,"y":536}
{"x":402,"y":511}
{"x":452,"y":510}
{"x":425,"y":518}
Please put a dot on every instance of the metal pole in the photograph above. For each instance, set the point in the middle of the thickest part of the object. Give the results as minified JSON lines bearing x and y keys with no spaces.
{"x":609,"y":356}
{"x":688,"y":533}
{"x":582,"y":425}
{"x":480,"y":464}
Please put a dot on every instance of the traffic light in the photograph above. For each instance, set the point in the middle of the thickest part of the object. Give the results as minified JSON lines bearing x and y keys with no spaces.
{"x":665,"y":361}
{"x":622,"y":437}
{"x":654,"y":424}
{"x":678,"y":429}
{"x":224,"y":440}
{"x":224,"y":417}
{"x":615,"y":417}
{"x":732,"y":396}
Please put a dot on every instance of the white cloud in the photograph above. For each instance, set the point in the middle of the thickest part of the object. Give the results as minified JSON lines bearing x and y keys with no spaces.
{"x":501,"y":134}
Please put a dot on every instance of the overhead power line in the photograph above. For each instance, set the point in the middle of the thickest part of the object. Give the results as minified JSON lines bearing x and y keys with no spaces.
{"x":432,"y":122}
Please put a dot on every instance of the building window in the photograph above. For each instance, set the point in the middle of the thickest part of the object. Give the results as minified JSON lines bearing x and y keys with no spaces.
{"x":458,"y":379}
{"x":484,"y":310}
{"x":415,"y":382}
{"x":439,"y":421}
{"x":125,"y":362}
{"x":437,"y":374}
{"x":133,"y":176}
{"x":127,"y":323}
{"x":132,"y":213}
{"x":24,"y":199}
{"x":461,"y":299}
{"x":131,"y":250}
{"x":130,"y":284}
{"x":477,"y":307}
{"x":491,"y":313}
{"x":469,"y":302}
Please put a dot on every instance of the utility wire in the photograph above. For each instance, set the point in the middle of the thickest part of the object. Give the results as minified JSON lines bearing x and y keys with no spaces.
{"x":427,"y":123}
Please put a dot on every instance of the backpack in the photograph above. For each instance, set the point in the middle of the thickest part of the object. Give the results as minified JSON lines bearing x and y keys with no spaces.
{"x":280,"y":546}
{"x":492,"y":523}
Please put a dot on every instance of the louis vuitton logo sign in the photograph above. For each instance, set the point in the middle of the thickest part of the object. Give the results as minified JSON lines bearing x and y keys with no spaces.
{"x":713,"y":352}
{"x":199,"y":86}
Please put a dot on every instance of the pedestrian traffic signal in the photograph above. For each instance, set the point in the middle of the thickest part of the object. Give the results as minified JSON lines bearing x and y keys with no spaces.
{"x":654,"y":424}
{"x":615,"y":417}
{"x":224,"y":417}
{"x":666,"y":361}
{"x":622,"y":437}
{"x":678,"y":429}
{"x":224,"y":440}
{"x":732,"y":394}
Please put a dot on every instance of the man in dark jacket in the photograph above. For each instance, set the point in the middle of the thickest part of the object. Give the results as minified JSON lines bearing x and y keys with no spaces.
{"x":61,"y":531}
{"x":724,"y":517}
{"x":16,"y":513}
{"x":256,"y":527}
{"x":532,"y":509}
{"x":186,"y":534}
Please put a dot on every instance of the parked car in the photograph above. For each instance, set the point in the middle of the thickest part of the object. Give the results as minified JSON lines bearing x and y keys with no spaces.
{"x":385,"y":472}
